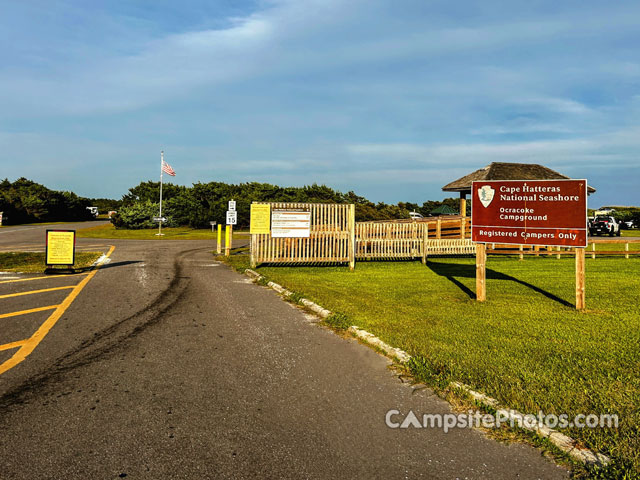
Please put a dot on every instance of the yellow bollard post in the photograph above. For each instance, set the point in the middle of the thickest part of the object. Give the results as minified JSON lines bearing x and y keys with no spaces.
{"x":219,"y":242}
{"x":227,"y":243}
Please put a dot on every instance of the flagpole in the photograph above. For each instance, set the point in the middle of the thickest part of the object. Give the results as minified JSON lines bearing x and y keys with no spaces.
{"x":161,"y":165}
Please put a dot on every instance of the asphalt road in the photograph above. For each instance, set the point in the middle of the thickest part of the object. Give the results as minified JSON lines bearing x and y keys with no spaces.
{"x":169,"y":365}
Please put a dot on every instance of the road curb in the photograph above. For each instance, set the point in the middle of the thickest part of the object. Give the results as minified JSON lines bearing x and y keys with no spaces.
{"x":560,"y":440}
{"x":317,"y":309}
{"x":395,"y":353}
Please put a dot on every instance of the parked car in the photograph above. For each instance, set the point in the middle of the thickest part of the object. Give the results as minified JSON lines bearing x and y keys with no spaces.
{"x":604,"y":225}
{"x":93,"y":211}
{"x":630,"y":224}
{"x":415,"y":215}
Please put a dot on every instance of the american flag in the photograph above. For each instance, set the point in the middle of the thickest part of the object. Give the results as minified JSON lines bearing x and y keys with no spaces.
{"x":166,"y":168}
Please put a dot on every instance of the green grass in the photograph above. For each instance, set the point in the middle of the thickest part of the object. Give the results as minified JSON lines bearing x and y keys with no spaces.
{"x":177,"y":233}
{"x":33,"y":262}
{"x":614,"y":247}
{"x":623,"y":233}
{"x":526,"y":346}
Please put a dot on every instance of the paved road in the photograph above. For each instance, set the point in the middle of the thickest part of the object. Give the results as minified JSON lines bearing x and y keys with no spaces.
{"x":170,"y":365}
{"x":32,"y":237}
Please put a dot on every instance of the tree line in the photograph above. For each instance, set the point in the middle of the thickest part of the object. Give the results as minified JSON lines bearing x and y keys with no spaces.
{"x":202,"y":203}
{"x":25,"y":201}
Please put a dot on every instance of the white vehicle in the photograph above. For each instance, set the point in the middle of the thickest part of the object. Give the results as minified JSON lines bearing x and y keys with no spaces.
{"x":415,"y":215}
{"x":93,"y":210}
{"x":604,"y":225}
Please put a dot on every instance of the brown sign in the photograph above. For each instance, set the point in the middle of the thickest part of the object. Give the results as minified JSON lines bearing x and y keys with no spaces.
{"x":530,"y":212}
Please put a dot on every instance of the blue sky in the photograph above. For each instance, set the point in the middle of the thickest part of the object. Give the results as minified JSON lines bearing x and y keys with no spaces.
{"x":391,"y":99}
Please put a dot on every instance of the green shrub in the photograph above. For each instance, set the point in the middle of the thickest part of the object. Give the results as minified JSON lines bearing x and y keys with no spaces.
{"x":140,"y":215}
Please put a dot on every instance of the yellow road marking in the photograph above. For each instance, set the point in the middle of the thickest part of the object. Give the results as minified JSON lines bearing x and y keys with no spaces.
{"x":9,"y":346}
{"x":31,"y":343}
{"x":36,"y":291}
{"x":31,"y":310}
{"x":48,"y":276}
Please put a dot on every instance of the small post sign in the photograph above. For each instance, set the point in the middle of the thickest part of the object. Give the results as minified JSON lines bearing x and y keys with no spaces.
{"x":291,"y":223}
{"x":60,"y":247}
{"x":232,"y":205}
{"x":260,"y":222}
{"x":232,"y":217}
{"x":530,"y":212}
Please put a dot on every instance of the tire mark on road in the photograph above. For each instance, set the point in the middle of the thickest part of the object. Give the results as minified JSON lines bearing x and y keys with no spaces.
{"x":105,"y":342}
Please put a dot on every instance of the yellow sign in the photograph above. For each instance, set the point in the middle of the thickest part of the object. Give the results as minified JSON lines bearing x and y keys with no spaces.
{"x":260,"y":218}
{"x":61,"y":247}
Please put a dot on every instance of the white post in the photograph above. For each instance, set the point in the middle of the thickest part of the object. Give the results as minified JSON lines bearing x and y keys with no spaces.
{"x":161,"y":165}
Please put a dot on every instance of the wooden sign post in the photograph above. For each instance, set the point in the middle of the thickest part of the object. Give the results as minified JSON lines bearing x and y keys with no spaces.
{"x":543,"y":213}
{"x":580,"y":279}
{"x":481,"y":272}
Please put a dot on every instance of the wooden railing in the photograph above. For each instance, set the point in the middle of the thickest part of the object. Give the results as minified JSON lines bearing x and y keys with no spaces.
{"x":401,"y":239}
{"x":591,"y":250}
{"x":336,"y":237}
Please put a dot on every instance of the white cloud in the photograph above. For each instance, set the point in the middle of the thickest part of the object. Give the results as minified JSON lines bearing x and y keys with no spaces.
{"x":619,"y":146}
{"x":560,"y":105}
{"x":522,"y":128}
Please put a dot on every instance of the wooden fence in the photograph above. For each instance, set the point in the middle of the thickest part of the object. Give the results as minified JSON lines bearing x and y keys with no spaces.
{"x":450,"y":246}
{"x":402,"y":239}
{"x":335,"y":237}
{"x":538,"y":251}
{"x":331,"y":237}
{"x":623,"y":250}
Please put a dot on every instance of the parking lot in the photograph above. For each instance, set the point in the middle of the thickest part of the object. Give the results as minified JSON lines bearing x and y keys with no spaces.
{"x":30,"y":306}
